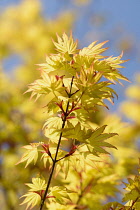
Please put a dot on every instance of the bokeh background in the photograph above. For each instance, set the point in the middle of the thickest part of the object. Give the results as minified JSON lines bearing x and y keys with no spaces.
{"x":26,"y":31}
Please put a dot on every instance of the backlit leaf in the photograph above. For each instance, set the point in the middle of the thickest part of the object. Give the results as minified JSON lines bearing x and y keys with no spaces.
{"x":33,"y":197}
{"x":31,"y":154}
{"x":96,"y":142}
{"x":66,"y":44}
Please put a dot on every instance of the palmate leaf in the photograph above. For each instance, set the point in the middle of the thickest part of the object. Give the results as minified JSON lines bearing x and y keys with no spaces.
{"x":86,"y":157}
{"x":96,"y":142}
{"x":132,"y":195}
{"x":52,"y":135}
{"x":81,"y":61}
{"x":53,"y":122}
{"x":116,"y":61}
{"x":45,"y":86}
{"x":53,"y":62}
{"x":74,"y":132}
{"x":90,"y":103}
{"x":133,"y":189}
{"x":33,"y":197}
{"x":101,"y":90}
{"x":93,"y":50}
{"x":94,"y":91}
{"x":79,"y":160}
{"x":37,"y":184}
{"x":108,"y":70}
{"x":57,"y":64}
{"x":61,"y":194}
{"x":67,"y":69}
{"x":31,"y":154}
{"x":82,"y":158}
{"x":52,"y":127}
{"x":66,"y":44}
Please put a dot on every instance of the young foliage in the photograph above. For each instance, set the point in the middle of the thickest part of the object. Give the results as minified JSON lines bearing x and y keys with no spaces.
{"x":31,"y":154}
{"x":33,"y":197}
{"x":131,"y":197}
{"x":66,"y":44}
{"x":76,"y":81}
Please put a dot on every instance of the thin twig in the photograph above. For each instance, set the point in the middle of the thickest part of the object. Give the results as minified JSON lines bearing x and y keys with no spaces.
{"x":131,"y":207}
{"x":57,"y":149}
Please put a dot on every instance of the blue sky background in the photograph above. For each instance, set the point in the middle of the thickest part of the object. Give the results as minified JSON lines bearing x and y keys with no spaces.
{"x":117,"y":21}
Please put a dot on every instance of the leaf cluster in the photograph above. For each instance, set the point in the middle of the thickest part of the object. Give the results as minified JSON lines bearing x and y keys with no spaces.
{"x":77,"y":81}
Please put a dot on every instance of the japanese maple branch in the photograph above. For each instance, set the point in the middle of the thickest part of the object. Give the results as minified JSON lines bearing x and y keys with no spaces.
{"x":57,"y":149}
